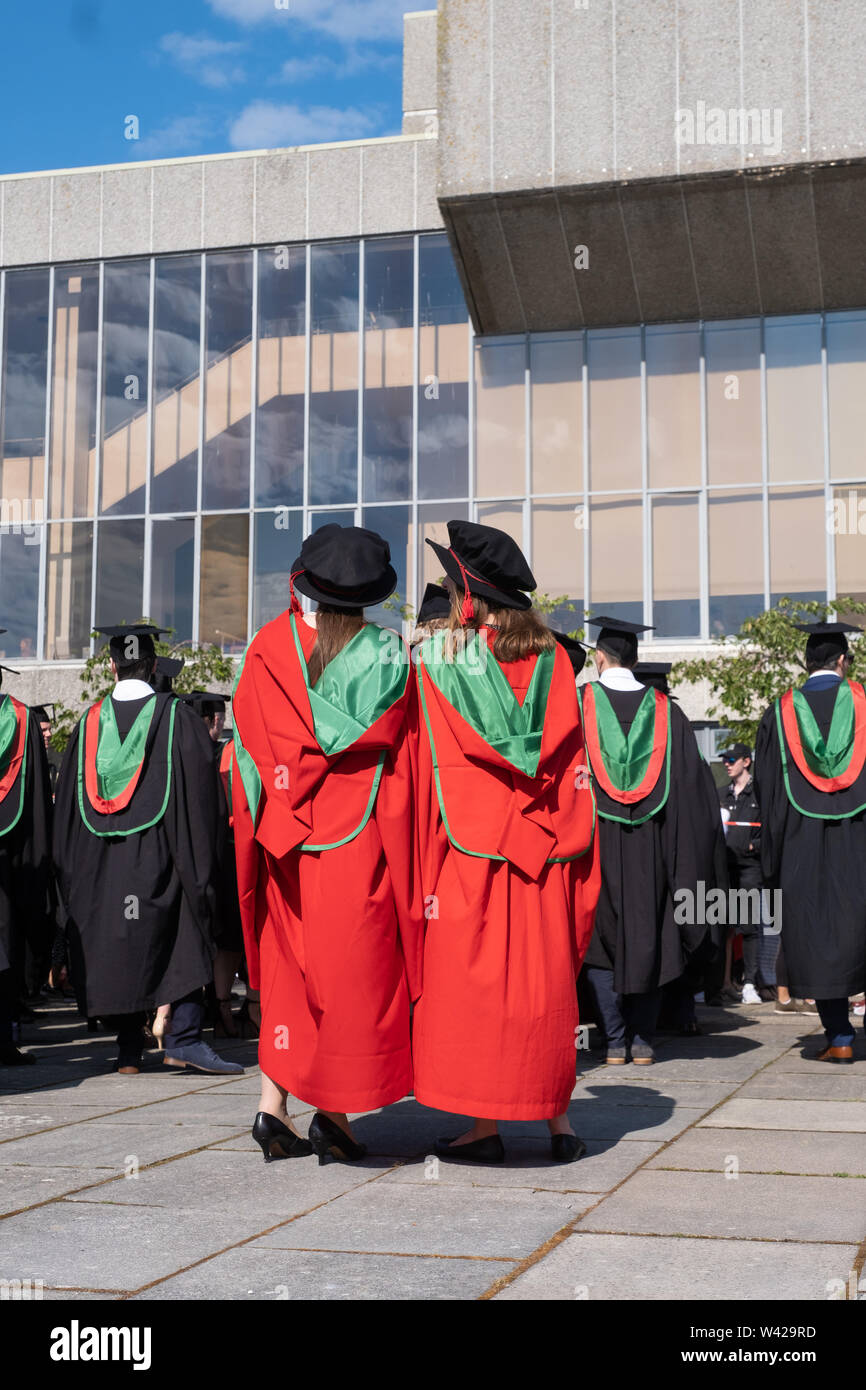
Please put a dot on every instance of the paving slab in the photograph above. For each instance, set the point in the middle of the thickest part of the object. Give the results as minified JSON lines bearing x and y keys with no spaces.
{"x":724,"y":1065}
{"x":202,"y":1181}
{"x":103,"y":1246}
{"x":836,"y":1115}
{"x":527,"y":1165}
{"x":432,"y":1220}
{"x":753,"y":1206}
{"x":640,"y":1089}
{"x":602,"y":1116}
{"x":99,"y":1146}
{"x":115,"y":1089}
{"x":807,"y":1062}
{"x":615,"y":1268}
{"x":767,"y":1151}
{"x":254,"y":1273}
{"x":797,"y":1085}
{"x":195,"y":1107}
{"x":22,"y":1187}
{"x":16,"y":1121}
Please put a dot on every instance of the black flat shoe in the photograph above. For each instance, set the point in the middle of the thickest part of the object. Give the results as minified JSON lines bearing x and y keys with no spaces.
{"x":566,"y":1148}
{"x":11,"y":1056}
{"x":277,"y":1141}
{"x":490,"y":1149}
{"x":327,"y":1138}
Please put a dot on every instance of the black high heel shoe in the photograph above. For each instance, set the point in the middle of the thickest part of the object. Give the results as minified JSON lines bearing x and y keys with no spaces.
{"x":277,"y":1141}
{"x":566,"y":1148}
{"x":327,"y":1138}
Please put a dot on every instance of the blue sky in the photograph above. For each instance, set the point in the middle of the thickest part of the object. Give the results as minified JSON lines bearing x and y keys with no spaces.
{"x":201,"y":76}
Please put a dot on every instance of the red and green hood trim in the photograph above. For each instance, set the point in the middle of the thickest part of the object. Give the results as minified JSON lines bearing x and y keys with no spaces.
{"x":124,"y":782}
{"x":833,"y":767}
{"x":13,"y":761}
{"x":628,"y":768}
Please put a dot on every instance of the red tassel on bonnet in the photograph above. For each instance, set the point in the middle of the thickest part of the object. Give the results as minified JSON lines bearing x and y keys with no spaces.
{"x":467,"y":611}
{"x":295,"y":601}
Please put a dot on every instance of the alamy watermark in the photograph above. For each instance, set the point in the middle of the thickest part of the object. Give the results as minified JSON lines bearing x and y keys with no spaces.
{"x":732,"y":907}
{"x":714,"y":125}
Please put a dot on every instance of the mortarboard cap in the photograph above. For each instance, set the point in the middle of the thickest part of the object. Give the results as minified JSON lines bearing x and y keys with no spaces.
{"x":826,"y":640}
{"x":10,"y":669}
{"x":205,"y":702}
{"x":436,"y":603}
{"x":131,"y":642}
{"x":42,"y":712}
{"x":618,"y":637}
{"x":654,"y":673}
{"x":574,"y":650}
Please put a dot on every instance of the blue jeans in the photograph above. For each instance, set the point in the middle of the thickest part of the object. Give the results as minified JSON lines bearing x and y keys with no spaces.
{"x":625,"y":1018}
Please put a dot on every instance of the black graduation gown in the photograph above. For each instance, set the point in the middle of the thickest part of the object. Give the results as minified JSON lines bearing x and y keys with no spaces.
{"x":228,"y":928}
{"x":26,"y":885}
{"x":129,"y":956}
{"x":643,"y":865}
{"x":819,"y":865}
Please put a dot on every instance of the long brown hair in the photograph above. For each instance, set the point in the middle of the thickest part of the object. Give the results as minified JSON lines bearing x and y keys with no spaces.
{"x":335,"y":627}
{"x":520,"y":631}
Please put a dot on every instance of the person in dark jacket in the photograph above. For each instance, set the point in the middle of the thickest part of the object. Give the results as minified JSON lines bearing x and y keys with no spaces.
{"x":743,"y":841}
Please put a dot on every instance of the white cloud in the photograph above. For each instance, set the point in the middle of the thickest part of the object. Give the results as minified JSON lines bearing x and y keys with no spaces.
{"x":210,"y":61}
{"x":356,"y":60}
{"x":346,"y":20}
{"x":183,"y":135}
{"x":269,"y":125}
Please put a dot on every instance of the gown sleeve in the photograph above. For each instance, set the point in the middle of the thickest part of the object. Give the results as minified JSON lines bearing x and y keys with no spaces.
{"x":397,"y":820}
{"x":771,"y":797}
{"x":66,"y":821}
{"x":192,"y":819}
{"x":690,"y":823}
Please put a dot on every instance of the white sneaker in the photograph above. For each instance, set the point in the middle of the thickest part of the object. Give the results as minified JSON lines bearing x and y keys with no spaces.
{"x":750,"y":995}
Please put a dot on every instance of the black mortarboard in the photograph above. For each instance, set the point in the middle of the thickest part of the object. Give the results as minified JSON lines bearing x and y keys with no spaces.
{"x":488,"y":562}
{"x":10,"y":669}
{"x":165,"y":672}
{"x":436,"y":603}
{"x":206,"y":702}
{"x":345,"y":567}
{"x":654,"y":673}
{"x":41,"y":712}
{"x":826,"y":640}
{"x":618,"y":638}
{"x":575,"y":652}
{"x":130,"y":642}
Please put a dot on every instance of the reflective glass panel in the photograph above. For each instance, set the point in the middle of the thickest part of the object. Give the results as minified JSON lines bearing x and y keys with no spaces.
{"x":736,"y":548}
{"x":228,"y":379}
{"x":172,"y":569}
{"x":334,"y":374}
{"x":119,"y":571}
{"x":282,"y":346}
{"x":557,"y":414}
{"x":225,"y":543}
{"x":73,"y":391}
{"x":394,"y":524}
{"x":733,"y":352}
{"x":24,"y":378}
{"x":277,"y":543}
{"x":557,"y":559}
{"x":177,"y":326}
{"x":388,"y":368}
{"x":795,"y":429}
{"x":676,"y":567}
{"x":433,"y":518}
{"x":126,"y":313}
{"x":674,"y":406}
{"x":506,"y":516}
{"x":68,"y":590}
{"x":848,"y":523}
{"x":20,"y":554}
{"x":500,"y":419}
{"x":614,"y":410}
{"x":443,"y":389}
{"x":616,"y":557}
{"x":798,"y":535}
{"x":846,"y":372}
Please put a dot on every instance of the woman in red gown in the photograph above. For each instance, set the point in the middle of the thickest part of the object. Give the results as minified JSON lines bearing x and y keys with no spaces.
{"x":510,"y":865}
{"x":323,"y":800}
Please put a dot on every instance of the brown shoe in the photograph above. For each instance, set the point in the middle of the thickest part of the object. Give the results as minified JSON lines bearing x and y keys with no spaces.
{"x":843,"y":1055}
{"x":128,"y":1071}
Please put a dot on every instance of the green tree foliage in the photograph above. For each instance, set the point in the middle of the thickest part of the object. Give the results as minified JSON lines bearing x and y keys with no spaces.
{"x":205,"y":668}
{"x":763,"y":660}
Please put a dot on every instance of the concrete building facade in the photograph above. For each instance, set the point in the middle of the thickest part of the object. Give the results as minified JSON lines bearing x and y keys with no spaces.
{"x":606,"y":290}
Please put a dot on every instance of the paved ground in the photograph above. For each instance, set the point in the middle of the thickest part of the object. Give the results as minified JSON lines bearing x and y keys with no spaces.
{"x":733,"y":1168}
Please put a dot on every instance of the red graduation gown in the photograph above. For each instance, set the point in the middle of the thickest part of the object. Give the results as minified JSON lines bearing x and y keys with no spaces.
{"x":333,"y":937}
{"x":495,"y":1031}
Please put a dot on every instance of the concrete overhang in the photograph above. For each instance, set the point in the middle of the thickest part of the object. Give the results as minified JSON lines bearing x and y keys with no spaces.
{"x":730,"y":244}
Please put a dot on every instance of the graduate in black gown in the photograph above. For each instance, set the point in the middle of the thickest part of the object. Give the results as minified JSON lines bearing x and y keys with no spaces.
{"x":136,"y":848}
{"x":658,"y":826}
{"x":26,"y":890}
{"x":810,"y":776}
